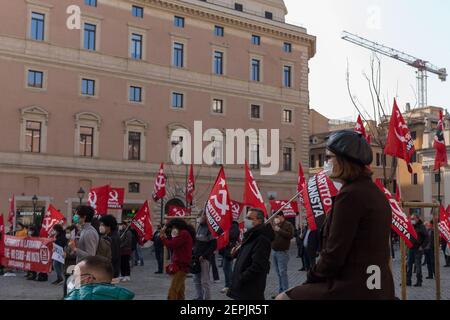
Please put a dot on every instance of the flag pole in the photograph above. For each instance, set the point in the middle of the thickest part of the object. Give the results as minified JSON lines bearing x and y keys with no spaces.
{"x":402,"y":246}
{"x":437,"y":270}
{"x":281,"y":209}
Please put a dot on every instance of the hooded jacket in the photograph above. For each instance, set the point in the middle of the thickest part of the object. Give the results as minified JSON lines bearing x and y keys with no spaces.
{"x":252,"y":264}
{"x":100,"y":291}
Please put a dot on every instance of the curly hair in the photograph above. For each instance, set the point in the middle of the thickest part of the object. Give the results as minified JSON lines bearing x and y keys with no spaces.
{"x":180,"y":224}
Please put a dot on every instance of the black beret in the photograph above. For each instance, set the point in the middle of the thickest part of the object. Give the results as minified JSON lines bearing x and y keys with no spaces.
{"x":351,"y":145}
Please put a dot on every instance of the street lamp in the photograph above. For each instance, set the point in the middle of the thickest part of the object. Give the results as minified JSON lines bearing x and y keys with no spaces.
{"x":34,"y":200}
{"x":81,"y":194}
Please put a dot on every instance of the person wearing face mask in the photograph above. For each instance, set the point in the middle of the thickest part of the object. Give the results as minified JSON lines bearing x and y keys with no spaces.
{"x":181,"y":243}
{"x":109,"y":231}
{"x":284,"y":232}
{"x":355,"y":234}
{"x":60,"y":240}
{"x":21,"y":230}
{"x":125,"y":252}
{"x":252,"y":259}
{"x":70,"y":258}
{"x":204,"y":247}
{"x":87,"y":244}
{"x":415,"y":254}
{"x":93,"y":276}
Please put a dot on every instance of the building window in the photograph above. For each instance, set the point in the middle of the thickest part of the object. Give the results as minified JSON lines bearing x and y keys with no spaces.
{"x":35,"y":79}
{"x":287,"y":159}
{"x":414,"y":157}
{"x":217,"y":106}
{"x":33,"y":136}
{"x":178,"y":53}
{"x":136,"y":46}
{"x":218,"y":62}
{"x":268,"y":15}
{"x":92,"y":3}
{"x":254,"y":156}
{"x":312,"y":161}
{"x":89,"y":36}
{"x":255,"y":111}
{"x":218,"y":31}
{"x":437,"y":178}
{"x":238,"y":7}
{"x":86,"y":141}
{"x":137,"y":11}
{"x":88,"y":87}
{"x":414,"y":135}
{"x":383,"y":160}
{"x":256,"y":70}
{"x":287,"y":116}
{"x":414,"y":179}
{"x":287,"y":47}
{"x":256,"y":40}
{"x":287,"y":76}
{"x":37,"y":26}
{"x":134,"y":187}
{"x":135,"y":94}
{"x":378,"y":160}
{"x":178,"y":22}
{"x":177,"y":100}
{"x":134,"y":146}
{"x":321,"y":162}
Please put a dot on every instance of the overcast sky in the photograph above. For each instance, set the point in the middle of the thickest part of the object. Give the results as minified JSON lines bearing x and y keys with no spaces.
{"x":418,"y":27}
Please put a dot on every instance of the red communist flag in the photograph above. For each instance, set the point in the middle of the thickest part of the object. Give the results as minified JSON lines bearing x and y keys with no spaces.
{"x":399,"y":142}
{"x":359,"y":128}
{"x":289,"y":211}
{"x":52,"y":217}
{"x":223,"y":240}
{"x":98,"y":199}
{"x":318,"y":196}
{"x":142,"y":223}
{"x":444,"y":225}
{"x":176,"y":211}
{"x":190,"y":187}
{"x":252,"y":195}
{"x":12,"y":211}
{"x":218,"y":207}
{"x":159,"y":190}
{"x":439,"y":145}
{"x":401,"y":223}
{"x":236,"y":209}
{"x":301,"y":183}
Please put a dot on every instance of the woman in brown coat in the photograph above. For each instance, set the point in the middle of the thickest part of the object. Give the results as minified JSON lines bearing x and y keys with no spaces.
{"x":354,"y":262}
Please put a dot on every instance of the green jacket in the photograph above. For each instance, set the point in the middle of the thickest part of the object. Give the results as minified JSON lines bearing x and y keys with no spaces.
{"x":100,"y":291}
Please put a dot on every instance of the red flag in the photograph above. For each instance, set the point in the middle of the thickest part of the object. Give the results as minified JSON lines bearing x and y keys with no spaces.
{"x":399,"y":142}
{"x":289,"y":211}
{"x":142,"y":223}
{"x":439,"y":145}
{"x":175,"y":211}
{"x":98,"y":199}
{"x":444,"y":225}
{"x":401,"y":223}
{"x":218,"y":207}
{"x":52,"y":217}
{"x":12,"y":212}
{"x":236,"y":209}
{"x":318,"y":199}
{"x":190,"y":188}
{"x":301,"y":183}
{"x":159,"y":190}
{"x":223,"y":240}
{"x":252,"y":196}
{"x":359,"y":128}
{"x":115,"y":198}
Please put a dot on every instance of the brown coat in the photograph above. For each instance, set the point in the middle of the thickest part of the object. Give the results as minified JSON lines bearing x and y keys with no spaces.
{"x":283,"y":237}
{"x":354,"y":237}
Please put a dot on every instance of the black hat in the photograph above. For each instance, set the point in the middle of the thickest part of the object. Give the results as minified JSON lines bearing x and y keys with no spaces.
{"x":352,"y":146}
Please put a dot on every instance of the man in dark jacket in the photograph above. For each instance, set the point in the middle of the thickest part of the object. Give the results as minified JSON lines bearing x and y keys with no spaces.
{"x":284,"y":232}
{"x":253,"y":259}
{"x":311,"y":243}
{"x":429,"y":250}
{"x":159,"y":249}
{"x":204,"y":247}
{"x":416,"y":252}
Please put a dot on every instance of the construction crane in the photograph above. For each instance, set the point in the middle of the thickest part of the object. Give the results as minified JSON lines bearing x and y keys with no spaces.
{"x":422,"y":66}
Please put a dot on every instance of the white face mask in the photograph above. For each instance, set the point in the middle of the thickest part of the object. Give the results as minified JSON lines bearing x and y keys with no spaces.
{"x":328,"y":168}
{"x":413,"y":222}
{"x":248,"y":224}
{"x":174,"y":233}
{"x":277,"y":220}
{"x":68,"y":236}
{"x":102,"y":229}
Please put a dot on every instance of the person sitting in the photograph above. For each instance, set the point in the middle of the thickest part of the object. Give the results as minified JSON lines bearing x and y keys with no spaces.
{"x":94,"y":275}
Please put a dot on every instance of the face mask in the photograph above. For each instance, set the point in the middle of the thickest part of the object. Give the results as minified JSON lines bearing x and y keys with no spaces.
{"x":248,"y":224}
{"x":68,"y":236}
{"x":76,"y":219}
{"x":276,"y":221}
{"x":328,"y":168}
{"x":174,"y":233}
{"x":30,"y":233}
{"x":102,"y":230}
{"x":413,"y":222}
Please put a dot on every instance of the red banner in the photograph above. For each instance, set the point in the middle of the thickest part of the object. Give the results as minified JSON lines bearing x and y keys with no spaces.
{"x":175,"y":211}
{"x":401,"y":223}
{"x":440,"y":159}
{"x":115,"y":198}
{"x":236,"y":209}
{"x":159,"y":190}
{"x":31,"y":254}
{"x":252,"y":195}
{"x":52,"y":217}
{"x":289,"y":211}
{"x":444,"y":225}
{"x":218,"y":207}
{"x":98,"y":199}
{"x":142,"y":223}
{"x":318,"y":199}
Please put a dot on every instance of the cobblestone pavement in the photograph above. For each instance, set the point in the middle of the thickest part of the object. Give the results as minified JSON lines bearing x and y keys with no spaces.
{"x":149,"y":286}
